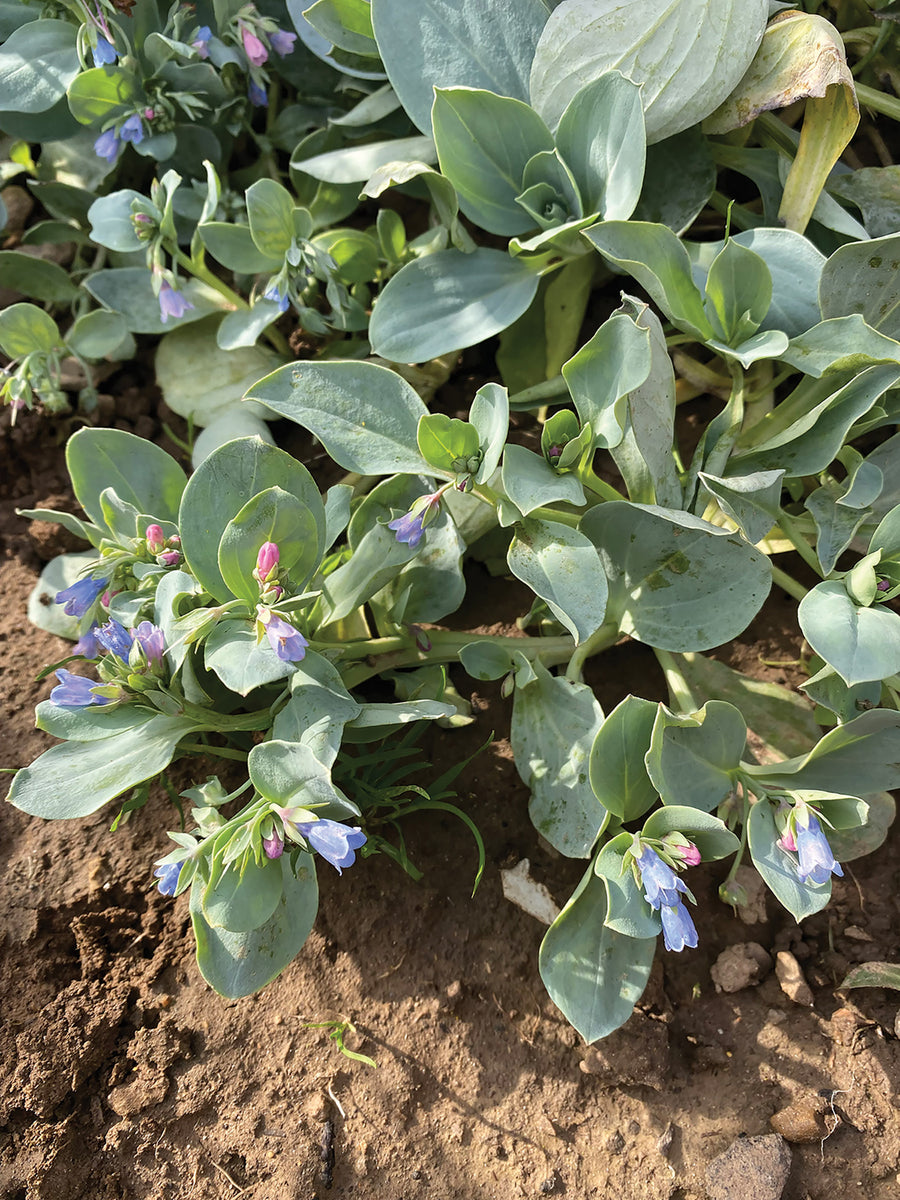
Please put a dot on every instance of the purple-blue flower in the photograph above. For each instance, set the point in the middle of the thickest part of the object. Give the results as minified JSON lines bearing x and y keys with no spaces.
{"x":172,"y":303}
{"x":660,"y":882}
{"x":74,"y":691}
{"x":167,"y":875}
{"x":817,"y":863}
{"x":335,"y":842}
{"x":282,"y":42}
{"x":257,"y":95}
{"x":108,"y":145}
{"x":152,"y":641}
{"x":287,"y":642}
{"x":79,"y":596}
{"x":87,"y":645}
{"x":282,"y":301}
{"x":104,"y":52}
{"x":201,"y":42}
{"x":132,"y":130}
{"x":678,"y":927}
{"x":116,"y":639}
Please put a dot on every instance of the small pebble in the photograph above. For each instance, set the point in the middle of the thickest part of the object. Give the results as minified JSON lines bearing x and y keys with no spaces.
{"x":754,"y":1168}
{"x":804,"y":1121}
{"x":792,"y":980}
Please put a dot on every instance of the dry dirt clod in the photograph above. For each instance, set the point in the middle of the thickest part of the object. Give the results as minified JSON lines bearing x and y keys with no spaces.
{"x":754,"y":911}
{"x":754,"y":1168}
{"x":792,"y":980}
{"x":844,"y":1024}
{"x":804,"y":1121}
{"x":740,"y":966}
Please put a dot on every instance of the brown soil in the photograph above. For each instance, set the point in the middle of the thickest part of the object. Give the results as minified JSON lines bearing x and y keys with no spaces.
{"x":124,"y":1076}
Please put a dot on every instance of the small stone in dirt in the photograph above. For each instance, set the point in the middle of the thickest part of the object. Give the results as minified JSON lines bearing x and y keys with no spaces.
{"x":804,"y":1121}
{"x":453,"y":992}
{"x":740,"y":966}
{"x":754,"y":1168}
{"x":615,"y":1143}
{"x":792,"y":980}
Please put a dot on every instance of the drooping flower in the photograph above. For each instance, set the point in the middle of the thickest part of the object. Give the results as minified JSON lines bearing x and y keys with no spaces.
{"x":167,"y":875}
{"x":678,"y":927}
{"x":116,"y":639}
{"x":108,"y":145}
{"x":257,"y":95}
{"x":87,"y":645}
{"x":172,"y":303}
{"x":287,"y":642}
{"x":817,"y":862}
{"x":201,"y":41}
{"x":333,"y":841}
{"x":275,"y":295}
{"x":104,"y":52}
{"x":410,"y":528}
{"x":79,"y":596}
{"x":254,"y":49}
{"x":151,"y":640}
{"x":282,"y":42}
{"x":74,"y":691}
{"x":132,"y":130}
{"x":661,"y":884}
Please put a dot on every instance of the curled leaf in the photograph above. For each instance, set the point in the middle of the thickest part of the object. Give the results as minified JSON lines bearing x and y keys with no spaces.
{"x":801,"y":55}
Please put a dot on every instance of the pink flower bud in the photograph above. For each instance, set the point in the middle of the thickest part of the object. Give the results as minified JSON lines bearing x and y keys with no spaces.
{"x":266,"y":562}
{"x":149,"y":114}
{"x":787,"y":842}
{"x":169,"y":558}
{"x":273,"y":846}
{"x":254,"y":49}
{"x":690,"y":855}
{"x":156,"y":539}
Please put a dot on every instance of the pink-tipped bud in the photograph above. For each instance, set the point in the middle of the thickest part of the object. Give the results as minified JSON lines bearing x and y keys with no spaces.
{"x":169,"y":558}
{"x":273,"y":846}
{"x":690,"y":855}
{"x":787,"y":842}
{"x":149,"y":114}
{"x":266,"y":562}
{"x":156,"y":539}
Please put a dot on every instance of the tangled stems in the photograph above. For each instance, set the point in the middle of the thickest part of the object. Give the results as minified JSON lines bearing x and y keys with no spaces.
{"x":374,"y":655}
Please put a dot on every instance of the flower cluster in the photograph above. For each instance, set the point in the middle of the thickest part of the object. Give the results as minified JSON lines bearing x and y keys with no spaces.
{"x":411,"y":527}
{"x":663,"y":891}
{"x":259,"y":37}
{"x":288,"y":643}
{"x":130,"y":655}
{"x":112,"y":141}
{"x":335,"y":842}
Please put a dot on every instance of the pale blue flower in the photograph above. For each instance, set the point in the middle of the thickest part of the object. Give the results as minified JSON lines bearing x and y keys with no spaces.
{"x":104,"y":52}
{"x":74,"y":691}
{"x":79,"y":596}
{"x":817,"y":863}
{"x":661,"y":884}
{"x":132,"y":130}
{"x":172,"y":303}
{"x":116,"y":639}
{"x":167,"y":875}
{"x":333,"y":841}
{"x":108,"y":145}
{"x":678,"y":928}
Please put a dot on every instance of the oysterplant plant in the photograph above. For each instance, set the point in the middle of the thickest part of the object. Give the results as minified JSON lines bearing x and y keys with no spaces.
{"x":242,"y":613}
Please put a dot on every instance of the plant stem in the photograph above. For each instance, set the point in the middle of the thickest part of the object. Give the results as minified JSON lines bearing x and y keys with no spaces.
{"x":679,"y":690}
{"x":216,"y":751}
{"x":788,"y":583}
{"x":388,"y":654}
{"x":605,"y":636}
{"x":800,"y":544}
{"x":590,"y":480}
{"x":888,"y":106}
{"x":203,"y":273}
